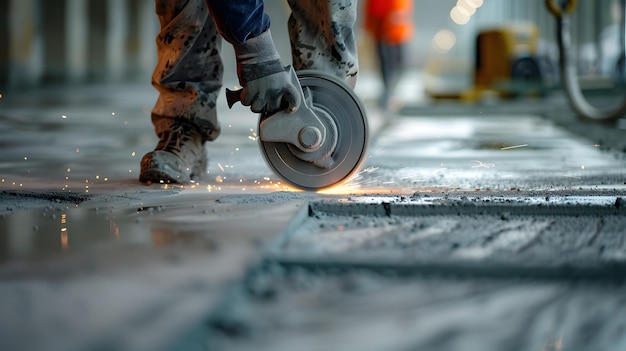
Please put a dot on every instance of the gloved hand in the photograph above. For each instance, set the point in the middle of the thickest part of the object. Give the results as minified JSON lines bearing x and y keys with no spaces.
{"x":267,"y":87}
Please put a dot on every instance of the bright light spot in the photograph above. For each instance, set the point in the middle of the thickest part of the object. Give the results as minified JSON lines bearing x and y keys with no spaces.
{"x":1,"y":96}
{"x":219,"y":179}
{"x":475,"y":3}
{"x":64,"y":116}
{"x":112,"y":113}
{"x":463,"y":11}
{"x":466,"y":6}
{"x":459,"y":16}
{"x":444,"y":40}
{"x":69,"y":170}
{"x":26,"y":158}
{"x":97,"y":177}
{"x":130,"y":171}
{"x":132,"y":154}
{"x":220,"y":166}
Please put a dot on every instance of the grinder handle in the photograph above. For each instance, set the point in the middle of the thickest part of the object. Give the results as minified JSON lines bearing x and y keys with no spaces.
{"x":233,"y":96}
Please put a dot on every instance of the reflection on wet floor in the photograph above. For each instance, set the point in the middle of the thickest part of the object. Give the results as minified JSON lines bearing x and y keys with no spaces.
{"x":48,"y":231}
{"x":187,"y":220}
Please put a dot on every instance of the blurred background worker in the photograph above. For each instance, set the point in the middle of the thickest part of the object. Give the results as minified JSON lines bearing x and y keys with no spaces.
{"x":390,"y":23}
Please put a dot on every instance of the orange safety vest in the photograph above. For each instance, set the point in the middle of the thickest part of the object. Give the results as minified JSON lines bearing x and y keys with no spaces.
{"x":390,"y":21}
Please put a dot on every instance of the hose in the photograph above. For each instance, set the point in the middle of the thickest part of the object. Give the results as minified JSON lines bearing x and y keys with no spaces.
{"x":569,"y":74}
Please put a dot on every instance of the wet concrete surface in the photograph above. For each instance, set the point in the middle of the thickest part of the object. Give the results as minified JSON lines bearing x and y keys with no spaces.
{"x":468,"y":228}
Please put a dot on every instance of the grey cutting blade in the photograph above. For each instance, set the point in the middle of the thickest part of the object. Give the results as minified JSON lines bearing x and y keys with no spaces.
{"x":337,"y":100}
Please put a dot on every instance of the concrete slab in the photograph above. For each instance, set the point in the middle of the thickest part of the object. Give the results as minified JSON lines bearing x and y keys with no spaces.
{"x":91,"y":259}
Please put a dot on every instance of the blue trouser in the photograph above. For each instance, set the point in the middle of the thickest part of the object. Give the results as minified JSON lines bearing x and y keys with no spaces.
{"x":189,"y":69}
{"x":238,"y":20}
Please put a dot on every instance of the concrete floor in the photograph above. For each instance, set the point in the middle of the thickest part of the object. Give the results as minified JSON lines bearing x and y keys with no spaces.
{"x":482,"y":227}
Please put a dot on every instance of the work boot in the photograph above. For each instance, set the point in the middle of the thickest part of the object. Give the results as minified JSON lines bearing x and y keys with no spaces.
{"x":179,"y":156}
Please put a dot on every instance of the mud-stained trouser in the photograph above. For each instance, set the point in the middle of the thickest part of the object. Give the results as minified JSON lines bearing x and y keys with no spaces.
{"x":189,"y":70}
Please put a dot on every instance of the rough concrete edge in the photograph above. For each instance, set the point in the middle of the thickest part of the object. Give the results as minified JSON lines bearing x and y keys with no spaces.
{"x":605,"y":273}
{"x":613,"y":206}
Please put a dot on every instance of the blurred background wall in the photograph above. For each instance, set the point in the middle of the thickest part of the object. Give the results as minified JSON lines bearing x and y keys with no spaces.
{"x":110,"y":41}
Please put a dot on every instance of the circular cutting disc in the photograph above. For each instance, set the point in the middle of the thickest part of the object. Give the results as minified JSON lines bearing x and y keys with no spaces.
{"x":337,"y":99}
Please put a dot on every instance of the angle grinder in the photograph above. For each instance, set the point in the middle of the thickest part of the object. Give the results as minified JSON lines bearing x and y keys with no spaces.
{"x":324,"y":142}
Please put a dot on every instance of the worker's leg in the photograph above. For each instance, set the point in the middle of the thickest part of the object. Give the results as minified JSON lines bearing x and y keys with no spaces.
{"x":188,"y":77}
{"x":322,"y":37}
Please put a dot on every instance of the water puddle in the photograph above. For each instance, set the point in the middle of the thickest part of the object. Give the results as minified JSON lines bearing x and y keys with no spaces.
{"x":50,"y":231}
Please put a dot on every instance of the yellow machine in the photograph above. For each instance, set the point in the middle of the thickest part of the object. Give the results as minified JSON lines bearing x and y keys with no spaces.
{"x":507,"y":62}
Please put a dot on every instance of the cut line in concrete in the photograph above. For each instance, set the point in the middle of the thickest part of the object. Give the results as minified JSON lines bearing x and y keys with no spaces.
{"x":499,"y":237}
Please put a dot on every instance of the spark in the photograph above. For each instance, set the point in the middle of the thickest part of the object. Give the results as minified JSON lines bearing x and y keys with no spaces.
{"x":254,"y":136}
{"x":369,"y":170}
{"x":480,"y":164}
{"x":513,"y":147}
{"x":413,"y":177}
{"x":64,"y":116}
{"x":220,"y":166}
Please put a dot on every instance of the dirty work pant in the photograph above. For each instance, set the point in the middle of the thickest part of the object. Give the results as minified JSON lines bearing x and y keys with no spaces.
{"x":188,"y":74}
